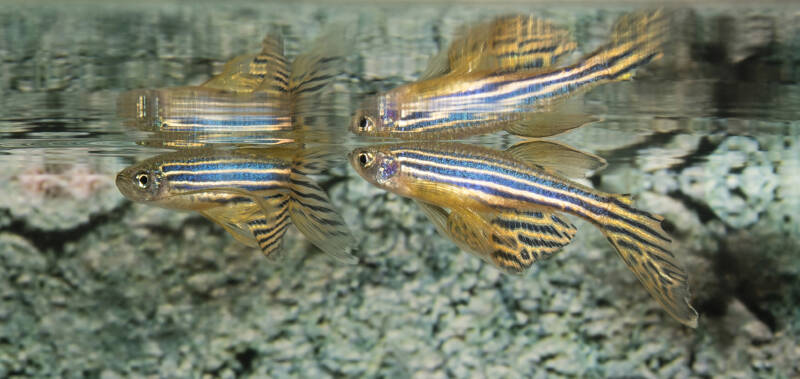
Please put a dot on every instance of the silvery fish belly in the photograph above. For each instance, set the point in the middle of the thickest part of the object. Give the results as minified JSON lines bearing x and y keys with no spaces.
{"x":254,"y":193}
{"x":502,"y":206}
{"x":502,"y":80}
{"x":205,"y":110}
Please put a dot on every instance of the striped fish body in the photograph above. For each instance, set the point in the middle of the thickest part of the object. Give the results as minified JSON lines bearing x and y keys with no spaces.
{"x":478,"y":180}
{"x":202,"y":110}
{"x":194,"y":179}
{"x":478,"y":102}
{"x":255,"y":194}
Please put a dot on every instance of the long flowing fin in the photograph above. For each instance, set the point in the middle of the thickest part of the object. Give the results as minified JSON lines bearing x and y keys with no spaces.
{"x":315,"y":217}
{"x":646,"y":249}
{"x":266,"y":71}
{"x":521,"y":239}
{"x":557,"y":157}
{"x":511,"y":241}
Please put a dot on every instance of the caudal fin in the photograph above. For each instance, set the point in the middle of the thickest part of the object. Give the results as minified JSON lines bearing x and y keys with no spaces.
{"x":645,"y":248}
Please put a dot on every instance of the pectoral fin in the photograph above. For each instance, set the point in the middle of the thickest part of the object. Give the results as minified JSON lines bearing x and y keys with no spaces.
{"x":557,"y":157}
{"x":239,"y":230}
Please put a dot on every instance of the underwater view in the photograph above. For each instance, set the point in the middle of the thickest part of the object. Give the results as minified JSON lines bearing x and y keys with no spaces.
{"x":427,"y":190}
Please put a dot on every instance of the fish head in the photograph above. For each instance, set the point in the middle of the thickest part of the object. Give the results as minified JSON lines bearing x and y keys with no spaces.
{"x":142,"y":182}
{"x":375,"y":117}
{"x":379,"y":166}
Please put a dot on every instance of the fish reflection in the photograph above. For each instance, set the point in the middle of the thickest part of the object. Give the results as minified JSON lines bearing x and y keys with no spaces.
{"x":254,"y":193}
{"x":254,"y":93}
{"x":497,"y":77}
{"x":500,"y":206}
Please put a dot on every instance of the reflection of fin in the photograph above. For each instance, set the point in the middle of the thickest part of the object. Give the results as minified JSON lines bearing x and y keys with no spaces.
{"x":557,"y":157}
{"x":266,"y":71}
{"x":312,"y":71}
{"x":313,"y":214}
{"x":525,"y":42}
{"x":645,"y":248}
{"x":313,"y":160}
{"x":546,"y":124}
{"x":636,"y":39}
{"x":438,"y":65}
{"x":509,"y":43}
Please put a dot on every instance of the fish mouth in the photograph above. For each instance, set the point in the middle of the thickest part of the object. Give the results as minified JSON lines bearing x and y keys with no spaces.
{"x":125,"y":184}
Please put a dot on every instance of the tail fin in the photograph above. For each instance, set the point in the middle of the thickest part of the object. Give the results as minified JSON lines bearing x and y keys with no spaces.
{"x":313,"y":214}
{"x":645,"y":248}
{"x":315,"y":69}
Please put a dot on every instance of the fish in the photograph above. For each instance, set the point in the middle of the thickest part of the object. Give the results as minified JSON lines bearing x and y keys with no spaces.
{"x":501,"y":205}
{"x":253,"y":193}
{"x":500,"y":85}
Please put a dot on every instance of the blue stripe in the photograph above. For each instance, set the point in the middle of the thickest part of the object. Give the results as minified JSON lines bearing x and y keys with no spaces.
{"x":229,"y":176}
{"x":233,"y":121}
{"x":247,"y":165}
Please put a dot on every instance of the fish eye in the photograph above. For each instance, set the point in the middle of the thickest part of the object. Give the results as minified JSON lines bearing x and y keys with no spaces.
{"x":364,"y":123}
{"x":143,"y":180}
{"x":363,"y":159}
{"x":164,"y":125}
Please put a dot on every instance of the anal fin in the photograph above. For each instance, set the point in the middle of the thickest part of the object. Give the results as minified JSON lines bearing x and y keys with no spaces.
{"x":536,"y":236}
{"x":268,"y":229}
{"x":511,"y":241}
